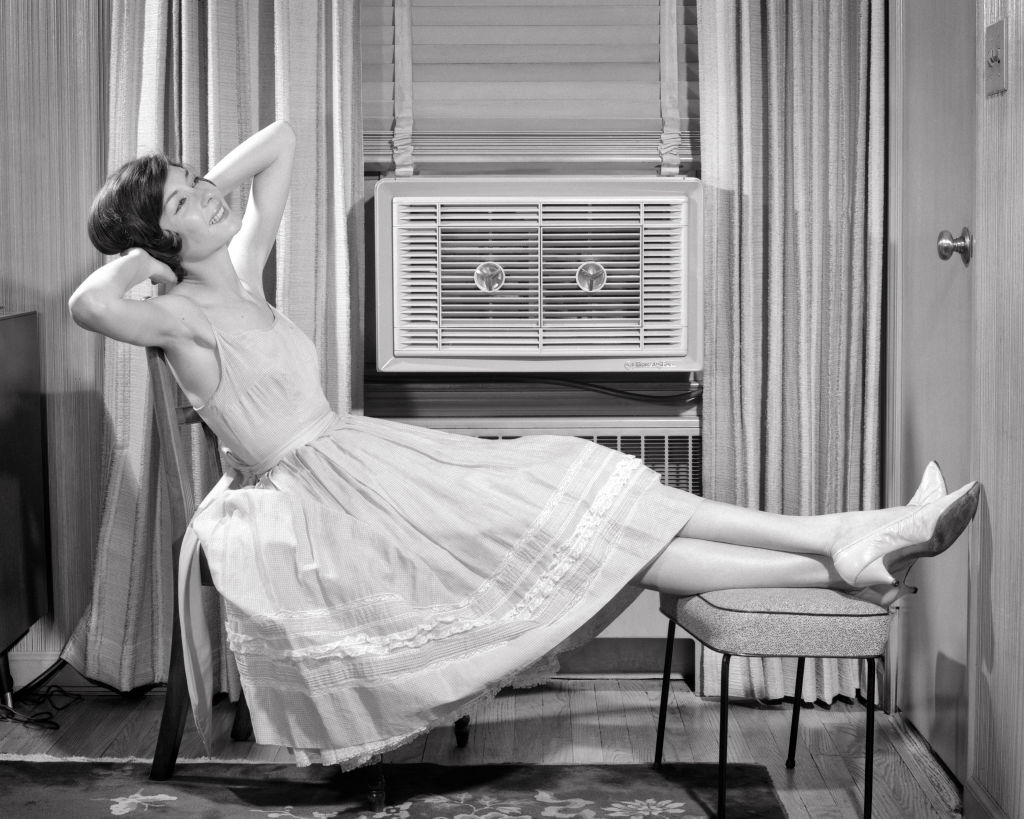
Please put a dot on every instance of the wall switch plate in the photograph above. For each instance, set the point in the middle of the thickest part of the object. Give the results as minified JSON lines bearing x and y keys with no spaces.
{"x":995,"y":58}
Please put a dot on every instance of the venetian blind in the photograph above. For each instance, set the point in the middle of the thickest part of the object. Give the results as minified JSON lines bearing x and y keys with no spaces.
{"x":532,"y":82}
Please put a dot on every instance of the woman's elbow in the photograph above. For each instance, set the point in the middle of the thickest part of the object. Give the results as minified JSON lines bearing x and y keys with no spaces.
{"x":86,"y":310}
{"x":284,"y":132}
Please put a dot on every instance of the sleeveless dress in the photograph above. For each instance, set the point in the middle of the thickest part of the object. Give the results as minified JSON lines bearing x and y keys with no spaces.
{"x":378,"y":578}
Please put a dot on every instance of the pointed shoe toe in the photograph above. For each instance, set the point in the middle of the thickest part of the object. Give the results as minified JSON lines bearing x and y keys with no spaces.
{"x":932,"y":486}
{"x":923,"y":532}
{"x":956,"y":516}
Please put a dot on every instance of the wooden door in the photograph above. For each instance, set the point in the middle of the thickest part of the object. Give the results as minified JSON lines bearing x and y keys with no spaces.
{"x":994,"y":786}
{"x":931,"y":344}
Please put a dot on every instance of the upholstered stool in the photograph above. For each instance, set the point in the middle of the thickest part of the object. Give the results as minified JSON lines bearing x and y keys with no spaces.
{"x":778,"y":623}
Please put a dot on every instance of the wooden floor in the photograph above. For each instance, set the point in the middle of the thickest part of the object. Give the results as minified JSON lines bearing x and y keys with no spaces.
{"x":588,"y":721}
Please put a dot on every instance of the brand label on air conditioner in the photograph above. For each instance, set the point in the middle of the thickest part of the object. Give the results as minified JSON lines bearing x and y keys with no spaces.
{"x":652,"y":364}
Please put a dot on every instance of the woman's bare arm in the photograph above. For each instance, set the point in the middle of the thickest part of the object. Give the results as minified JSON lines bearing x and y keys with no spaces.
{"x":99,"y":303}
{"x":266,"y":158}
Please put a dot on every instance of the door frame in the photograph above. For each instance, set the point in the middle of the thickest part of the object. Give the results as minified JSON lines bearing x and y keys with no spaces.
{"x":892,"y":395}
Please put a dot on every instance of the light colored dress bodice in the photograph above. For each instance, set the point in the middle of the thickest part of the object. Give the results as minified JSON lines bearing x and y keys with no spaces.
{"x":273,"y":368}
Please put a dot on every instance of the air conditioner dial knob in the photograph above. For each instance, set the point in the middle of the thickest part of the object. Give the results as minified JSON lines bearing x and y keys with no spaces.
{"x":591,"y":276}
{"x":489,"y":277}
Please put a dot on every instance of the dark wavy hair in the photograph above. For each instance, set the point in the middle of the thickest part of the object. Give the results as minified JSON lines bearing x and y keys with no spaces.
{"x":126,"y":212}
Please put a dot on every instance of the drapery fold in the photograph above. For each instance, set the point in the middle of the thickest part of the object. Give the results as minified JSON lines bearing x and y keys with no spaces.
{"x":194,"y":80}
{"x":792,"y":159}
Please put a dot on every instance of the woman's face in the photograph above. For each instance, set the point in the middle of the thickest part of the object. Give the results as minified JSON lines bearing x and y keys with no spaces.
{"x":195,"y":209}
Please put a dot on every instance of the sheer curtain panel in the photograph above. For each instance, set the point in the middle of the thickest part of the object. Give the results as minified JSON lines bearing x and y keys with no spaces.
{"x":193,"y":80}
{"x":792,"y":120}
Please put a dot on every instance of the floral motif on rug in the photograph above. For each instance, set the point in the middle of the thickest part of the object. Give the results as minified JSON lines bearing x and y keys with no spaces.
{"x":84,"y":790}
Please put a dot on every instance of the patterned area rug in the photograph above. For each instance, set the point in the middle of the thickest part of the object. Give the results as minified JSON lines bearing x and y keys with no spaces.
{"x":216,"y":791}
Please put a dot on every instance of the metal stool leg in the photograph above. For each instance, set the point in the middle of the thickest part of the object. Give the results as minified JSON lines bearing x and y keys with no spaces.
{"x":869,"y":751}
{"x":660,"y":742}
{"x":797,"y":703}
{"x":462,"y":731}
{"x":723,"y":734}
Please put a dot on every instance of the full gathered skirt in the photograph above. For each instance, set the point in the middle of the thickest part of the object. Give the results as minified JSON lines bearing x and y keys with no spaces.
{"x":382,"y":577}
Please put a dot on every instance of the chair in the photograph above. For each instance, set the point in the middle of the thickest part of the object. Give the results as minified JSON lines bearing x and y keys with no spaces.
{"x":173,"y":415}
{"x":797,"y":623}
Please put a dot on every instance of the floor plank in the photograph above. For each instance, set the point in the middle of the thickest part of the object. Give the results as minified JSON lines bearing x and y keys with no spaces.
{"x":492,"y":730}
{"x":589,"y":721}
{"x":586,"y":727}
{"x":556,"y":725}
{"x":136,"y":737}
{"x":616,"y":747}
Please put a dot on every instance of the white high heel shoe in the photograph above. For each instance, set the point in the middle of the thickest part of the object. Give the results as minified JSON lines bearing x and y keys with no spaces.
{"x":923,"y":532}
{"x":932,"y":486}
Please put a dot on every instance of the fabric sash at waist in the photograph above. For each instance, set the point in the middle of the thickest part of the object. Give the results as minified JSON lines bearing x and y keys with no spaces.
{"x":310,"y":432}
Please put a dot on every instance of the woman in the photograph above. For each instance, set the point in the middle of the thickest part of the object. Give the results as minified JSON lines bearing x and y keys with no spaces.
{"x":379,"y":577}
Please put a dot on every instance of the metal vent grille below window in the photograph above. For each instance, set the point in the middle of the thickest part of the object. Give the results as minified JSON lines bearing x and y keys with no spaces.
{"x":677,"y":458}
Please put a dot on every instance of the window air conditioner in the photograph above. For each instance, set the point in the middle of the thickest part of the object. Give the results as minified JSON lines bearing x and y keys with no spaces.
{"x":539,"y":274}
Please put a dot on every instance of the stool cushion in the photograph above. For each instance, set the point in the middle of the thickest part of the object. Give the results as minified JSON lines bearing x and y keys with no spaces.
{"x":782,"y":622}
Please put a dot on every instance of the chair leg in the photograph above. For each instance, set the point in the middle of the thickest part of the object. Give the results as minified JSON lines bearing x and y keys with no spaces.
{"x":659,"y":745}
{"x":869,"y":751}
{"x":797,"y":704}
{"x":377,"y":795}
{"x":462,"y":732}
{"x":176,"y":709}
{"x":723,"y":734}
{"x":241,"y":728}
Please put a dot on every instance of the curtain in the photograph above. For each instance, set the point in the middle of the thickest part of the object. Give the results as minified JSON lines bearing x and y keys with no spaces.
{"x":193,"y":80}
{"x":792,"y":136}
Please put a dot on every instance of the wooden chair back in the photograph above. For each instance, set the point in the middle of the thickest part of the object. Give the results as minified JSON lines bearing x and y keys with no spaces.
{"x":173,"y":416}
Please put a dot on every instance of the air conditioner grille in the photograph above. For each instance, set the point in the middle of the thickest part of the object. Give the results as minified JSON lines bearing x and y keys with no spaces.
{"x":677,"y":459}
{"x":541,"y":307}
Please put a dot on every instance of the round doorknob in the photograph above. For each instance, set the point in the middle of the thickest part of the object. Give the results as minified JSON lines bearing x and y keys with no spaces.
{"x":962,"y":244}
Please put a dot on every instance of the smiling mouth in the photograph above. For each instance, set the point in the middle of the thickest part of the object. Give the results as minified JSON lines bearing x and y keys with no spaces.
{"x":219,"y":215}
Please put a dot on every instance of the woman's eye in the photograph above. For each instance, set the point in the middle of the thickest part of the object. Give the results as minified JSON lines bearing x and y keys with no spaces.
{"x":181,"y":204}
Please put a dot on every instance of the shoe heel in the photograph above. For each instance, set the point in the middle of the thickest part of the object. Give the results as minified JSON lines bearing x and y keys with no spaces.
{"x":875,"y":574}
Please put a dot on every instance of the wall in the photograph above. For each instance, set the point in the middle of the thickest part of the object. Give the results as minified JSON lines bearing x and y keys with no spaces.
{"x":54,"y":158}
{"x":995,"y":786}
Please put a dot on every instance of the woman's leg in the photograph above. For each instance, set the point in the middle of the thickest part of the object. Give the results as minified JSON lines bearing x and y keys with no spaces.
{"x":863,"y":548}
{"x":808,"y":534}
{"x":691,"y":566}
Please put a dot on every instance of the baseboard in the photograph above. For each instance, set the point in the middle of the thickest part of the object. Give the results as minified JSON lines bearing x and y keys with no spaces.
{"x":979,"y":804}
{"x":27,"y":666}
{"x":601,"y":657}
{"x":628,"y":657}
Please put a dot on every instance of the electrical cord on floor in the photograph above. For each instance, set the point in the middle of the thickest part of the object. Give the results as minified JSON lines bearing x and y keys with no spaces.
{"x":54,"y":698}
